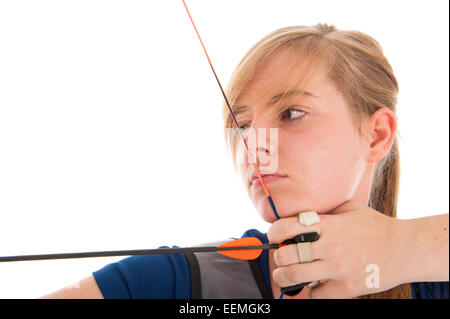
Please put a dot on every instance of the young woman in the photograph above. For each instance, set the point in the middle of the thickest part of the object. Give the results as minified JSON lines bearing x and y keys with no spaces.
{"x":332,"y":96}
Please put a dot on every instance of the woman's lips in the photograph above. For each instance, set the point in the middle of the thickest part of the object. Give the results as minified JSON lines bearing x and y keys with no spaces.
{"x":269,"y":178}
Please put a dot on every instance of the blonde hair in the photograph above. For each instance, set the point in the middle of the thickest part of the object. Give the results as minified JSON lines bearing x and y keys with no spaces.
{"x":357,"y":65}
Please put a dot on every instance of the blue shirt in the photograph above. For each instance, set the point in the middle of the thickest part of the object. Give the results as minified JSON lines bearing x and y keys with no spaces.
{"x":167,"y":277}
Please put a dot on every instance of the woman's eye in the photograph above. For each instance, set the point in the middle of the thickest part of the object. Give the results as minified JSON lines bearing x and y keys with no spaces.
{"x":242,"y":129}
{"x":291,"y":114}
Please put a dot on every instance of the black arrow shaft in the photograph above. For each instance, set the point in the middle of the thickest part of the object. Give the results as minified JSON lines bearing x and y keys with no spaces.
{"x":158,"y":251}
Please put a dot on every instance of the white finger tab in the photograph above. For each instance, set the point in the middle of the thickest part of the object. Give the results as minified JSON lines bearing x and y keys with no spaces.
{"x":309,"y":218}
{"x":304,"y":252}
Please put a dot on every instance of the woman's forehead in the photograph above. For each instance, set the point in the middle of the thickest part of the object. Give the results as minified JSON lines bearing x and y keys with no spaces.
{"x":283,"y":75}
{"x":274,"y":94}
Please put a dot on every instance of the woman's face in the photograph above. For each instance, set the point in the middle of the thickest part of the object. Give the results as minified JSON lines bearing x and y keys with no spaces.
{"x":320,"y":153}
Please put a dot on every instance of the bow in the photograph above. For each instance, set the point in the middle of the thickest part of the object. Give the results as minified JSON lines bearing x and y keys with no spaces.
{"x":245,"y":248}
{"x":232,"y":247}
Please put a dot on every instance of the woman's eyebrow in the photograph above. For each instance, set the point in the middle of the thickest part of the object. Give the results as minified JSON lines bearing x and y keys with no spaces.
{"x":239,"y":109}
{"x":288,"y":94}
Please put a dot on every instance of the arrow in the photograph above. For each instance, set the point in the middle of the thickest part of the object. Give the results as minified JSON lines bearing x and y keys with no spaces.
{"x":293,"y":290}
{"x":247,"y":248}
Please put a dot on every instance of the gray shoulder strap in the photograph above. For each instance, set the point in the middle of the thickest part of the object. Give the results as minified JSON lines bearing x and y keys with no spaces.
{"x":215,"y":276}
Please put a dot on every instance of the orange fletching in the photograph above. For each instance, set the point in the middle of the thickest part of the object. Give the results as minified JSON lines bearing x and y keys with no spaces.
{"x":245,"y":254}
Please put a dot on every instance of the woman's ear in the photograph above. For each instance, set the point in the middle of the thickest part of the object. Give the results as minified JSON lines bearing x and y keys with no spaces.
{"x":382,"y":128}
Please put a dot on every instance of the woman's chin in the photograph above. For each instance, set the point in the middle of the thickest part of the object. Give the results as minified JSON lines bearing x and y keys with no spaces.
{"x":269,"y":217}
{"x":267,"y":213}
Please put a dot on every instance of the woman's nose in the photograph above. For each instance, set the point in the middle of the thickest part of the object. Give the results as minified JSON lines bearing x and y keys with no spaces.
{"x":262,"y":141}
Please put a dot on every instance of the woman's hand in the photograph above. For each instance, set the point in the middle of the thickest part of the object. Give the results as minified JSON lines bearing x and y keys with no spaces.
{"x":359,"y":252}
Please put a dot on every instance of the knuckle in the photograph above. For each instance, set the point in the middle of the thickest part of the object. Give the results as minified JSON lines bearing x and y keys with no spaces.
{"x":273,"y":234}
{"x":286,"y":227}
{"x":292,"y":227}
{"x":282,"y":258}
{"x":280,"y":230}
{"x":292,"y":274}
{"x":322,"y":248}
{"x":326,"y":220}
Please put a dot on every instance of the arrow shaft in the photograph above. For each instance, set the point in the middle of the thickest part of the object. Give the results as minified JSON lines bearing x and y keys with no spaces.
{"x":158,"y":251}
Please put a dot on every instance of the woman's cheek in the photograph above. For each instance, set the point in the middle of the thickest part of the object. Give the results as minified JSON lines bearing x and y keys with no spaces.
{"x":324,"y":174}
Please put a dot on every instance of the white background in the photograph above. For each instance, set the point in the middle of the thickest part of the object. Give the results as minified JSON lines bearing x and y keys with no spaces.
{"x":111,"y":128}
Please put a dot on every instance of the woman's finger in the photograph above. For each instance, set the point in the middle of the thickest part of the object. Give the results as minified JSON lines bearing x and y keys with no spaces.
{"x":289,"y":255}
{"x":299,"y":273}
{"x":289,"y":227}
